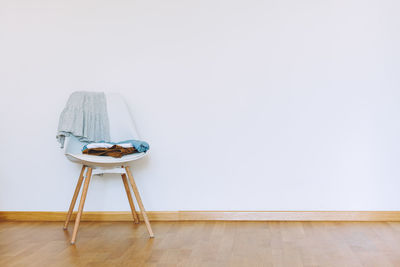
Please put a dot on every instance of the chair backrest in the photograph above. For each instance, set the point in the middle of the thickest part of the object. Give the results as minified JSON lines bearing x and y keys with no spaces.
{"x":122,"y":126}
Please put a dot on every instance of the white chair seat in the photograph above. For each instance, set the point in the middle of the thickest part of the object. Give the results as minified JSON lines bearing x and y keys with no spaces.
{"x":103,"y":161}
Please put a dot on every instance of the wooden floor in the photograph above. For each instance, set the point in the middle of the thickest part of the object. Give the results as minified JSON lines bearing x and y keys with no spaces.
{"x":202,"y":244}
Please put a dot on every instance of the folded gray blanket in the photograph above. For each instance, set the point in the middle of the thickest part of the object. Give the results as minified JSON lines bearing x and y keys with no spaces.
{"x":85,"y":117}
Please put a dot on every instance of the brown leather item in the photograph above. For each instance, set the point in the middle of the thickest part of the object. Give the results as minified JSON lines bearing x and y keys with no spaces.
{"x":115,"y":151}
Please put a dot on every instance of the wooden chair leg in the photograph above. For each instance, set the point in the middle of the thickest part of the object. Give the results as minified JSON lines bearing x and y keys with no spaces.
{"x":129,"y":195}
{"x":139,"y":200}
{"x":73,"y":201}
{"x":81,"y":204}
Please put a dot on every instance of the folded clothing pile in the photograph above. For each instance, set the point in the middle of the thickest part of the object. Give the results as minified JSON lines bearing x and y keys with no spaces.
{"x":116,"y":150}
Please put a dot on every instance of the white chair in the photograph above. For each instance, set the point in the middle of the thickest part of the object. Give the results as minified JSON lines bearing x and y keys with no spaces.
{"x":121,"y":128}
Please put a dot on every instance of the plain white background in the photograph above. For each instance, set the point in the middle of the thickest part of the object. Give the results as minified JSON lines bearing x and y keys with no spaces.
{"x":247,"y":105}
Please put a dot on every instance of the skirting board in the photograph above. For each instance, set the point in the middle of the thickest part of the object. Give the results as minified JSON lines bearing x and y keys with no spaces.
{"x":106,"y":216}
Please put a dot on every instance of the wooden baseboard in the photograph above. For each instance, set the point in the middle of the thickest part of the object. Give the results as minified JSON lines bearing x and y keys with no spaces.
{"x":105,"y":216}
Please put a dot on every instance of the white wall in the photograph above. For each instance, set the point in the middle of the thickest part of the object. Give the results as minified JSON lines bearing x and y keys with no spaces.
{"x":247,"y":105}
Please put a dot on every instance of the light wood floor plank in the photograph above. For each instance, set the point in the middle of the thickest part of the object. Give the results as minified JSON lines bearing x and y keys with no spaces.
{"x":202,"y":244}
